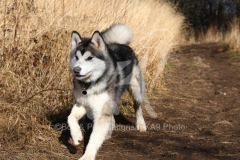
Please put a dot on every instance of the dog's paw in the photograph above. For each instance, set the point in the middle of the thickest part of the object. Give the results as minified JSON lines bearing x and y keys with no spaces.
{"x":141,"y":127}
{"x":108,"y":136}
{"x":77,"y":140}
{"x":86,"y":157}
{"x":76,"y":136}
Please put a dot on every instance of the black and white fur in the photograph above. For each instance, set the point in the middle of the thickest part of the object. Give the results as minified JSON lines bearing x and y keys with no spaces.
{"x":103,"y":67}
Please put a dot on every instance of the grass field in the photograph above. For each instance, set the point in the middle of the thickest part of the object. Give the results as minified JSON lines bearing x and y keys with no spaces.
{"x":35,"y":82}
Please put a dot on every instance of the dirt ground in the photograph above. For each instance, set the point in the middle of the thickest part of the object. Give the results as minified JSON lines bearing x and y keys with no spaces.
{"x":198,"y":116}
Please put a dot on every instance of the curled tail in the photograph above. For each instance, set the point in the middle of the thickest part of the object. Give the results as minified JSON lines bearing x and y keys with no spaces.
{"x":118,"y":33}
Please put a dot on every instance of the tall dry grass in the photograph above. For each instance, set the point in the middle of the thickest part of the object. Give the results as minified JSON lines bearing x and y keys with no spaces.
{"x":230,"y":37}
{"x":233,"y":35}
{"x":35,"y":82}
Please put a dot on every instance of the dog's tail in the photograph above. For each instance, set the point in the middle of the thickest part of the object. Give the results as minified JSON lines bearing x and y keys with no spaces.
{"x":118,"y":33}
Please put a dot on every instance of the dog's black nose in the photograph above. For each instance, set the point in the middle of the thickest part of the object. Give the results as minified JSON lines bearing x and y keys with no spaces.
{"x":77,"y":69}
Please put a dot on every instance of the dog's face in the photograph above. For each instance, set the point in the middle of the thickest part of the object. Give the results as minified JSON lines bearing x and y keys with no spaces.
{"x":87,"y":57}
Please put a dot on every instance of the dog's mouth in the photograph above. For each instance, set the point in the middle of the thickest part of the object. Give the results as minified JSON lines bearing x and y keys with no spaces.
{"x":79,"y":76}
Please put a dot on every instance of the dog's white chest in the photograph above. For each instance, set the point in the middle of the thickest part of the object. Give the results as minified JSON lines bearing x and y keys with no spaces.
{"x":97,"y":103}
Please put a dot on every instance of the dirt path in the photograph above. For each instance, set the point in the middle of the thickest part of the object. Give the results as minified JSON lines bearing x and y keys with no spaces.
{"x":199,"y":116}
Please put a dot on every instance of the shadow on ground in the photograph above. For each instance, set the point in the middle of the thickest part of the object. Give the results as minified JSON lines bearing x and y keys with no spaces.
{"x":59,"y":123}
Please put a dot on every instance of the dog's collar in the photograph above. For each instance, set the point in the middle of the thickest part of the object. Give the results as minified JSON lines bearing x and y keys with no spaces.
{"x":85,"y":86}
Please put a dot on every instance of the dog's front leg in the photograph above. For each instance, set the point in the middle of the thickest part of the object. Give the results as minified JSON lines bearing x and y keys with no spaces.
{"x":76,"y":114}
{"x":100,"y":130}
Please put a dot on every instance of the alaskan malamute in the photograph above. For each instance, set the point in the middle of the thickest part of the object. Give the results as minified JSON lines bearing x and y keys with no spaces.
{"x":103,"y":66}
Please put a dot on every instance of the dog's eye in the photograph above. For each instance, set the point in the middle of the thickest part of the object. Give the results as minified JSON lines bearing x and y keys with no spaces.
{"x":89,"y":58}
{"x":76,"y":58}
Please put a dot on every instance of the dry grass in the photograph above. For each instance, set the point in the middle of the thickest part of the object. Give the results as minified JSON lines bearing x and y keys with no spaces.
{"x":212,"y":35}
{"x":231,"y":37}
{"x":35,"y":82}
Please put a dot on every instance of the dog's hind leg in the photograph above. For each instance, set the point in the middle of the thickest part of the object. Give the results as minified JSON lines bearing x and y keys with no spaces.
{"x":76,"y":114}
{"x":137,"y":89}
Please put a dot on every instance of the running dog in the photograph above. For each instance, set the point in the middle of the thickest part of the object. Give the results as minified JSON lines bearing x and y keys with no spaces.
{"x":104,"y":67}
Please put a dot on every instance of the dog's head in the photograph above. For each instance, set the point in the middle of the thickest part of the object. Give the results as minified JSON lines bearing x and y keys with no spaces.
{"x":87,"y":57}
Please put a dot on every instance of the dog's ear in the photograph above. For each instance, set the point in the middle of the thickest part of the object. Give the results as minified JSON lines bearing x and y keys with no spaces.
{"x":75,"y":39}
{"x":98,"y":41}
